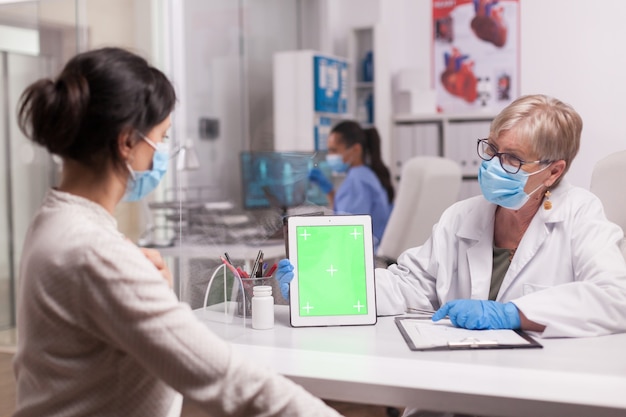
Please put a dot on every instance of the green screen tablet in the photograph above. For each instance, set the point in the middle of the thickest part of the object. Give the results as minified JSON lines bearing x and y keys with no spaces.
{"x":333,"y":262}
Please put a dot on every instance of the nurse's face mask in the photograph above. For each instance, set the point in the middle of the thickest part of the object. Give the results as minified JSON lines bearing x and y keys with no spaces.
{"x":143,"y":183}
{"x":336,"y":160}
{"x":501,"y":179}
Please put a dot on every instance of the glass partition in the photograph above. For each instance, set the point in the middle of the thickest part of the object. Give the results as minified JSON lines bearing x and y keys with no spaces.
{"x":222,"y":66}
{"x":19,"y":48}
{"x":30,"y":48}
{"x":219,"y":55}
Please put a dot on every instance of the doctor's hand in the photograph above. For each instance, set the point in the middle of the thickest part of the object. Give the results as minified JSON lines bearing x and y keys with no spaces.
{"x":155,"y":257}
{"x":480,"y":314}
{"x":317,"y":176}
{"x":284,"y":275}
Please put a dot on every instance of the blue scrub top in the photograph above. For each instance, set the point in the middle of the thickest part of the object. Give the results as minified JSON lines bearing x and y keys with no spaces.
{"x":362,"y":193}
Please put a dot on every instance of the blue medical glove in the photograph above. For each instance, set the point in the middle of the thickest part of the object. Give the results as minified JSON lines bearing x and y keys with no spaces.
{"x":284,"y":275}
{"x":480,"y":314}
{"x":317,"y":176}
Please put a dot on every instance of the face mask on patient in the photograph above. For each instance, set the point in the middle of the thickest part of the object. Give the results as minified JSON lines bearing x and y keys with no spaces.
{"x":143,"y":183}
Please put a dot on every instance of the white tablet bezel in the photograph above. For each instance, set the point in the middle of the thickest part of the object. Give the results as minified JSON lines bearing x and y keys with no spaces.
{"x":298,"y":320}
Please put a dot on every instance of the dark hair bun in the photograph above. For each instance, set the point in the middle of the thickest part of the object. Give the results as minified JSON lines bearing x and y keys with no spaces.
{"x":99,"y":95}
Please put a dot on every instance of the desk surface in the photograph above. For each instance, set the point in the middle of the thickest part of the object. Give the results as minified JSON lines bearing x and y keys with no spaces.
{"x":373,"y":365}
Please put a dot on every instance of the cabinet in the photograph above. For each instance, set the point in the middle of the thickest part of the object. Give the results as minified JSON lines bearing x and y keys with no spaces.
{"x":370,"y":81}
{"x":310,"y":95}
{"x":450,"y":136}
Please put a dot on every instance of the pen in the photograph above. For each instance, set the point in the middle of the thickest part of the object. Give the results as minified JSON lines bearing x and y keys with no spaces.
{"x":256,"y":263}
{"x":229,"y":265}
{"x":420,"y":311}
{"x":228,"y":258}
{"x":271,"y":271}
{"x":260,"y":268}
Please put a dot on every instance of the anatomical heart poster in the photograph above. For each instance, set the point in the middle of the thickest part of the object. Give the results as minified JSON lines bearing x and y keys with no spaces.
{"x":475,"y":54}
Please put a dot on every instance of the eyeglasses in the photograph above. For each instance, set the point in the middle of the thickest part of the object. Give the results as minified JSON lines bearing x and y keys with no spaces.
{"x":510,"y":163}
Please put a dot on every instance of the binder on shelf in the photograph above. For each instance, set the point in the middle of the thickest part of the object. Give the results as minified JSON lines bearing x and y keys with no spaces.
{"x":331,"y":84}
{"x":322,"y":130}
{"x":311,"y":92}
{"x":422,"y":334}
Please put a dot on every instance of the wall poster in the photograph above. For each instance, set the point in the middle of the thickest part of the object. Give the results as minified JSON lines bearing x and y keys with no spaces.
{"x":475,"y":54}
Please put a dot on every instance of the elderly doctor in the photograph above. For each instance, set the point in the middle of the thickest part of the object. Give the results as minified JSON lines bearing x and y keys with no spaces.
{"x":532,"y":252}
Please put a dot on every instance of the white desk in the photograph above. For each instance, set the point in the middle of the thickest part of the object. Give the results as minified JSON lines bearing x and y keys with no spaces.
{"x":373,"y":365}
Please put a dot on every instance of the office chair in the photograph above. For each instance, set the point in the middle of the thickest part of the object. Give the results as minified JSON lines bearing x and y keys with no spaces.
{"x":606,"y":178}
{"x":606,"y":182}
{"x":428,"y":185}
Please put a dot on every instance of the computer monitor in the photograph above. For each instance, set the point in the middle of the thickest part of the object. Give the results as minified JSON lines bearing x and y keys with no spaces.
{"x":281,"y":179}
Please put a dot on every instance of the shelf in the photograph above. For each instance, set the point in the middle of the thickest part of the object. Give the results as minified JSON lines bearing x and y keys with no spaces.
{"x":337,"y":116}
{"x":364,"y":85}
{"x":439,"y":117}
{"x":452,"y":136}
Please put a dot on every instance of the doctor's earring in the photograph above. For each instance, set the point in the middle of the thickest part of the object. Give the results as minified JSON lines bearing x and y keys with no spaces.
{"x":547,"y":204}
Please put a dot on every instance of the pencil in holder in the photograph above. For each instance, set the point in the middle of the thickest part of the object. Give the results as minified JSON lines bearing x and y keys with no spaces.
{"x":244,"y":298}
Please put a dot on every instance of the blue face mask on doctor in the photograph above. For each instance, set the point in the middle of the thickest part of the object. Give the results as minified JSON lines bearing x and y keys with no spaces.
{"x":143,"y":183}
{"x":503,"y":188}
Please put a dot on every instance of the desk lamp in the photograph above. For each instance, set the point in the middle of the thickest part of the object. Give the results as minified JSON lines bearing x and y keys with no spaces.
{"x":187,"y":158}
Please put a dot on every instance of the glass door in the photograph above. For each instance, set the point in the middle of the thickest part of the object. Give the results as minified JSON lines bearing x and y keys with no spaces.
{"x":26,"y":54}
{"x":27,"y":173}
{"x":221,"y":62}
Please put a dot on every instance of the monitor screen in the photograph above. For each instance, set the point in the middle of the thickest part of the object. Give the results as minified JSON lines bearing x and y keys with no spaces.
{"x":280,"y":179}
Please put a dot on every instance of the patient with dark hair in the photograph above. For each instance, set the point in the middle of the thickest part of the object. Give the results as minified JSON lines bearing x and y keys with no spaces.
{"x":101,"y":333}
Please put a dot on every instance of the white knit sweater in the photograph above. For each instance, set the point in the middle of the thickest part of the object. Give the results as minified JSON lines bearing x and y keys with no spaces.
{"x":101,"y":333}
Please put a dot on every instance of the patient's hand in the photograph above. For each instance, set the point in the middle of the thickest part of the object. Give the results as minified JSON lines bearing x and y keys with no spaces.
{"x":155,"y":257}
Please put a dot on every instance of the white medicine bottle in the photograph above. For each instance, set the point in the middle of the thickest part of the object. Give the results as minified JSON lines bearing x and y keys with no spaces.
{"x":262,"y":307}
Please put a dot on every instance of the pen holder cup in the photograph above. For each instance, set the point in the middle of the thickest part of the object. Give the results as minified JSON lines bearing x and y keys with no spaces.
{"x":244,"y":298}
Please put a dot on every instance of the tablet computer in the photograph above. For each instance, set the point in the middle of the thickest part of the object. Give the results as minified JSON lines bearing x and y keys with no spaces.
{"x":333,"y":259}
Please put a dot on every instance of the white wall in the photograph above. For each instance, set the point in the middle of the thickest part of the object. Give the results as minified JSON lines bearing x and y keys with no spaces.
{"x":408,"y":23}
{"x":343,"y":15}
{"x":574,"y":51}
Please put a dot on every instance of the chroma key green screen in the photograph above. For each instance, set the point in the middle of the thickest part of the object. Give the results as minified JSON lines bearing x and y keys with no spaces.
{"x":331,"y":270}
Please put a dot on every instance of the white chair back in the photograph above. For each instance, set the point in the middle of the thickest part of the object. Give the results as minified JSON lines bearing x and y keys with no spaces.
{"x":607,"y":182}
{"x":428,"y":185}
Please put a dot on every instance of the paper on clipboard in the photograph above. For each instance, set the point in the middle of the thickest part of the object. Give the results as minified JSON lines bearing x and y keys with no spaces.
{"x":424,"y":334}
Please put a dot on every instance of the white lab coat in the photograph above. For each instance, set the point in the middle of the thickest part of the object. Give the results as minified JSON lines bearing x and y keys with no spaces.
{"x":568,"y":272}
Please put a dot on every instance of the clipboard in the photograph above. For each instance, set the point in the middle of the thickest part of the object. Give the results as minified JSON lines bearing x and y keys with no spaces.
{"x":422,"y":334}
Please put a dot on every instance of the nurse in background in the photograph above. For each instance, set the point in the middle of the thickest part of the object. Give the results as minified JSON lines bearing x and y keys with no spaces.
{"x":367,"y":187}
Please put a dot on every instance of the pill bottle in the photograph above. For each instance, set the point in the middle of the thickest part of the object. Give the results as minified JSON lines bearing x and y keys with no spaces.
{"x":262,"y":307}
